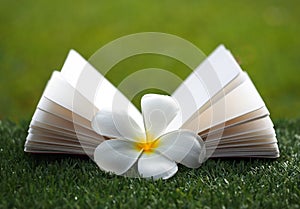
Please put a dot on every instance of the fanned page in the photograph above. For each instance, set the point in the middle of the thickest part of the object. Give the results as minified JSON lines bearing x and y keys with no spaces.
{"x":63,"y":115}
{"x":245,"y":128}
{"x":218,"y":101}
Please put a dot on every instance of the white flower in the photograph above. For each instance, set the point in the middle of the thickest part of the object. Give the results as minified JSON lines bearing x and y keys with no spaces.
{"x":146,"y":149}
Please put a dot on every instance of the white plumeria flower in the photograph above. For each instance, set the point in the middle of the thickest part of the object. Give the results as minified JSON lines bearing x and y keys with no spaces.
{"x":146,"y":148}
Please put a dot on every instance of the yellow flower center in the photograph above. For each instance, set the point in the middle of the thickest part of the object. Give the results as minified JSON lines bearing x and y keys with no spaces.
{"x":147,"y":147}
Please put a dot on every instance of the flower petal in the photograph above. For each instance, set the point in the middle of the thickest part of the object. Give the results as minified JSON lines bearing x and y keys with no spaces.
{"x":116,"y":155}
{"x":117,"y":125}
{"x":158,"y":111}
{"x":156,"y":166}
{"x":184,"y":147}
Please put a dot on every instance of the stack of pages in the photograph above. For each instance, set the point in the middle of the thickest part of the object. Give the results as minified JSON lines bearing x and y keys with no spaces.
{"x":227,"y":111}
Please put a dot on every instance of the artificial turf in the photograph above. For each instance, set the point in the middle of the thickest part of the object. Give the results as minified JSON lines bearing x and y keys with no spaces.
{"x":60,"y":181}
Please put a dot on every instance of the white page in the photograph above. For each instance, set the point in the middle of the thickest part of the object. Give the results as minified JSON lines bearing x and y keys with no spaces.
{"x":58,"y":141}
{"x":240,"y":101}
{"x":62,"y":93}
{"x":36,"y":125}
{"x":212,"y":75}
{"x":246,"y":128}
{"x":58,"y":148}
{"x":96,"y":88}
{"x":59,"y":111}
{"x":37,"y":131}
{"x":256,"y":134}
{"x":50,"y":119}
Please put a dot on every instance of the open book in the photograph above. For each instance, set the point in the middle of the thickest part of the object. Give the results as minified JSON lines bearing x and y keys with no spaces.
{"x":227,"y":111}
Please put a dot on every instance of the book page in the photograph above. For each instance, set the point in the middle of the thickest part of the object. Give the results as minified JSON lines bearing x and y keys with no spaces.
{"x":212,"y":75}
{"x":240,"y":101}
{"x":95,"y":88}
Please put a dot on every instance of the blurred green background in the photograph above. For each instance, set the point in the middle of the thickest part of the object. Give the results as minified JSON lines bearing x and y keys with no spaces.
{"x":35,"y":37}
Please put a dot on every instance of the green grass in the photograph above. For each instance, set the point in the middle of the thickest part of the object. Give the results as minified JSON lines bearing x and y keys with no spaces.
{"x":35,"y":37}
{"x":56,"y":181}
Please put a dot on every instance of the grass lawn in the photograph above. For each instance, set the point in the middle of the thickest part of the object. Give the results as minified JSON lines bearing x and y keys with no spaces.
{"x":56,"y":181}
